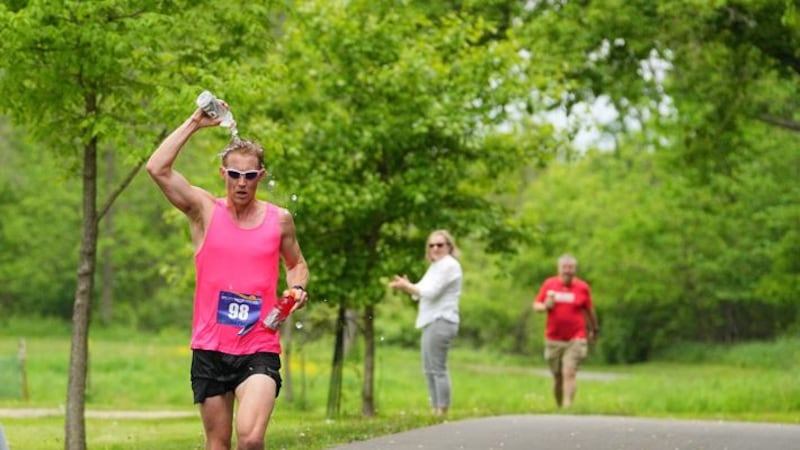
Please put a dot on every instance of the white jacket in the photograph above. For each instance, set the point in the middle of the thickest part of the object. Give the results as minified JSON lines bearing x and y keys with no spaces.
{"x":439,"y":292}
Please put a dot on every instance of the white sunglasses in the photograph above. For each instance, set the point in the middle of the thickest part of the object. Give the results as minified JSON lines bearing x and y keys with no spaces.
{"x":248,"y":175}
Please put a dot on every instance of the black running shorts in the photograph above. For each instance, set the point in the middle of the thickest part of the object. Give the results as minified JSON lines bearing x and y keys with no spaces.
{"x":215,"y":373}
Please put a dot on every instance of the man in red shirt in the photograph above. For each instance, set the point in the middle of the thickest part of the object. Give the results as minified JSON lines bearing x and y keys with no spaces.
{"x":567,"y":300}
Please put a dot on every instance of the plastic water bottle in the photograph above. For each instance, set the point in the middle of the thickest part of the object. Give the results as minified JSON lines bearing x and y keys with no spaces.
{"x":214,"y":108}
{"x":283,"y":307}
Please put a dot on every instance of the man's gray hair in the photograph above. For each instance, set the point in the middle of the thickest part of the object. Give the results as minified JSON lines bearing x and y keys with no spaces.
{"x":566,"y":257}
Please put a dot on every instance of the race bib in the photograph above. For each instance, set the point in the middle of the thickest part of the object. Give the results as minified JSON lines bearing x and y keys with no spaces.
{"x":565,"y":297}
{"x":239,"y":310}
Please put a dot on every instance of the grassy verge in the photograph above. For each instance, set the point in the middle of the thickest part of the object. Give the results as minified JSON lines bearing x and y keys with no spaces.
{"x":131,"y":371}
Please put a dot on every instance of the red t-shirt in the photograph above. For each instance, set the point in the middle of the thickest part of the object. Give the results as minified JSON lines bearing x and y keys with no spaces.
{"x":566,"y":320}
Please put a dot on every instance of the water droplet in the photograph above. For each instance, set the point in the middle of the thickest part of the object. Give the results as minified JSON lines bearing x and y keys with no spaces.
{"x":298,"y":325}
{"x":294,"y":197}
{"x":271,"y":184}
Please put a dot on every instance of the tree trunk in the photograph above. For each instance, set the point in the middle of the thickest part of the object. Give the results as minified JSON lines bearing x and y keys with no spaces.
{"x":368,"y":391}
{"x":286,"y":336}
{"x":350,"y":330}
{"x":335,"y":387}
{"x":75,"y":426}
{"x":521,"y":331}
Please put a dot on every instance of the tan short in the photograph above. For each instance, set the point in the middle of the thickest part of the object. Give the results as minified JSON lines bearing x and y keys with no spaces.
{"x":565,"y":354}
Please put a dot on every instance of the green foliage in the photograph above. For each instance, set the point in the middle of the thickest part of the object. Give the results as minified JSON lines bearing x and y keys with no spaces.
{"x":38,"y":259}
{"x":383,"y":119}
{"x":116,"y":70}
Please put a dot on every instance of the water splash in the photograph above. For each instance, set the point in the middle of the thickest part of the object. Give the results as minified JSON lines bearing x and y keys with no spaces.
{"x":289,"y":201}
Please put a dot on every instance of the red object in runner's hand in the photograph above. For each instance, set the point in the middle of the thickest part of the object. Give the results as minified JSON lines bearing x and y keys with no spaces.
{"x":281,"y":311}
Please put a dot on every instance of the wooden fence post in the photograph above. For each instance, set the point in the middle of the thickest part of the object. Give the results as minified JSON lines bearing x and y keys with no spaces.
{"x":23,"y":358}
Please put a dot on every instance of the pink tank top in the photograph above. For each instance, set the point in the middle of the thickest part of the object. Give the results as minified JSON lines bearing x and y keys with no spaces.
{"x":236,"y":283}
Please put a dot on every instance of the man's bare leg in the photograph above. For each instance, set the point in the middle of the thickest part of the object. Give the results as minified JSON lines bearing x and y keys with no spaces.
{"x":217,"y":415}
{"x":570,"y":386}
{"x":256,"y":396}
{"x":558,"y":388}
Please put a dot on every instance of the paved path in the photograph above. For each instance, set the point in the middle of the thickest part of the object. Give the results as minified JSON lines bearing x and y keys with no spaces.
{"x":565,"y":432}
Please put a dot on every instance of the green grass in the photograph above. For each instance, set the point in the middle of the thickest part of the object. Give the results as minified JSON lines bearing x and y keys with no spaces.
{"x":134,"y":371}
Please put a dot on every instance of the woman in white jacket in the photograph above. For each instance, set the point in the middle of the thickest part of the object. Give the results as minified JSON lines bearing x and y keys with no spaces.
{"x":438,"y":293}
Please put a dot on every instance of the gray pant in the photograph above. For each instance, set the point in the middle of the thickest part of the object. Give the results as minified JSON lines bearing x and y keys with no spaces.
{"x":436,"y":339}
{"x":3,"y":444}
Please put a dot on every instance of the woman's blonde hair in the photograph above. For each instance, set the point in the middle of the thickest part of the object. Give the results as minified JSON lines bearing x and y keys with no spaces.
{"x":453,"y":249}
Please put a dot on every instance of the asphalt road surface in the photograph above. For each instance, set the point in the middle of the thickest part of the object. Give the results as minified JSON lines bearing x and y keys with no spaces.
{"x":564,"y":432}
